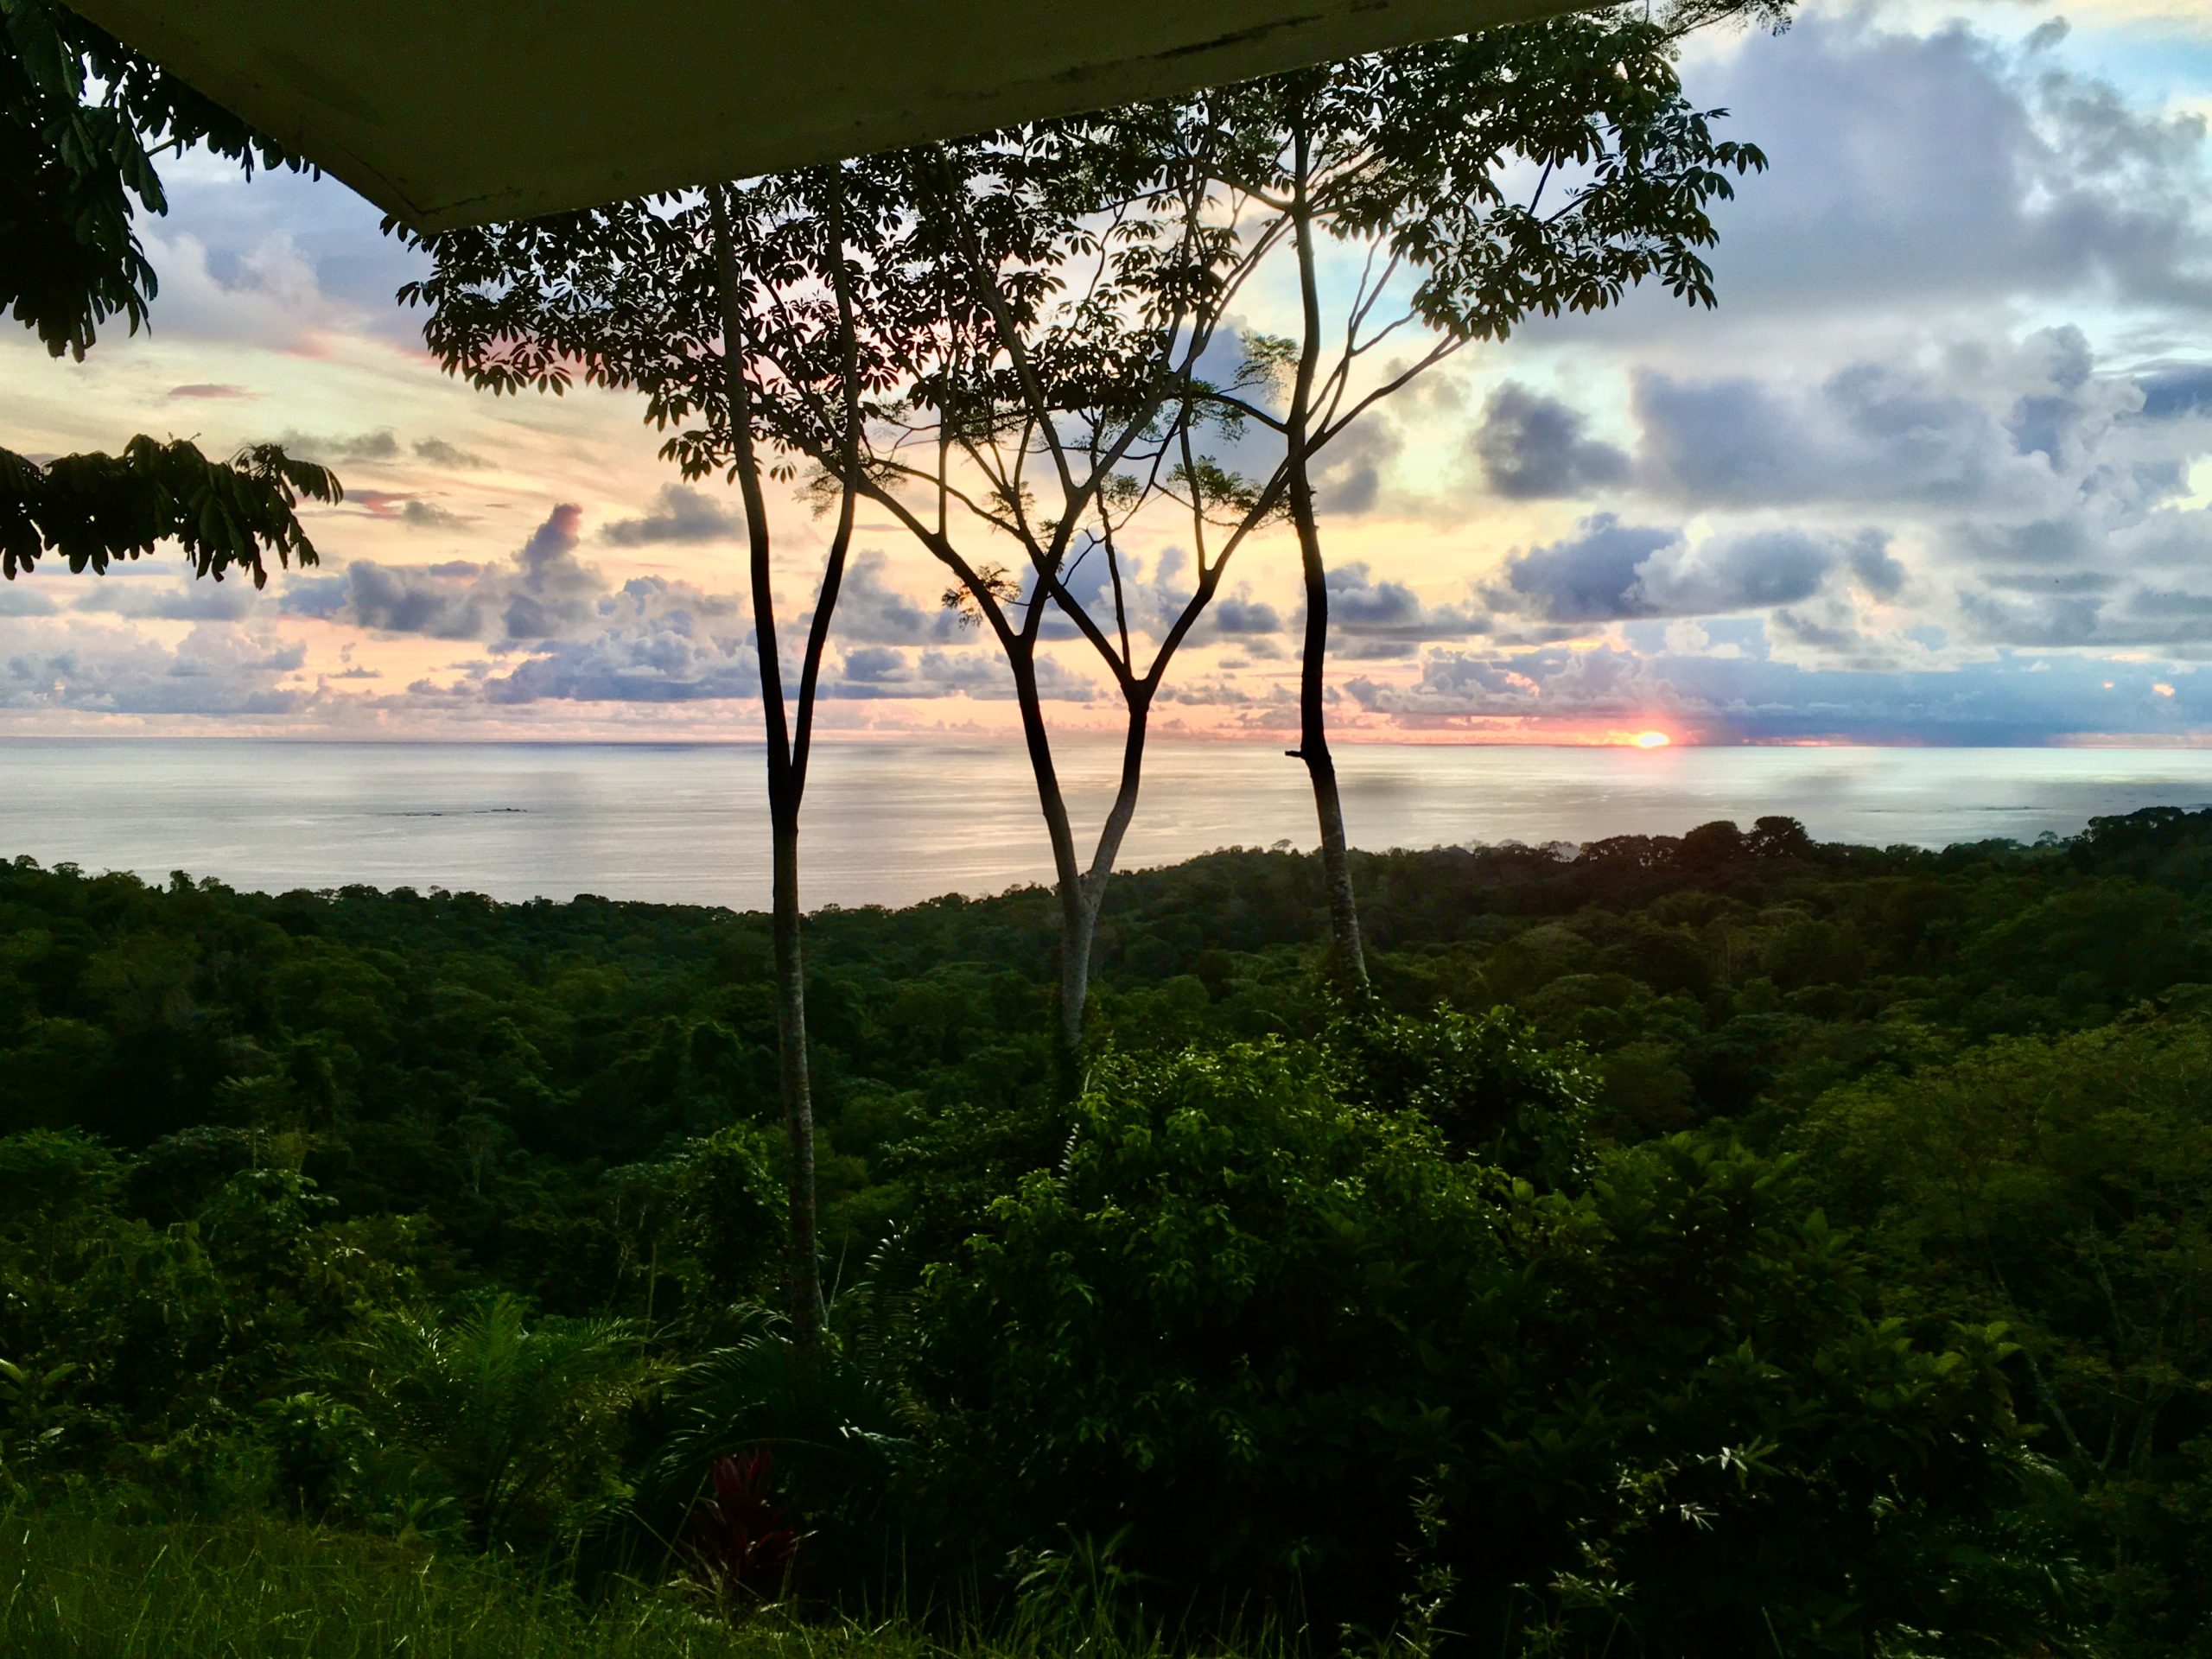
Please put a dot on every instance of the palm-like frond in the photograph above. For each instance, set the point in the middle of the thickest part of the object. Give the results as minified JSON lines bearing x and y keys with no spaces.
{"x":510,"y":1413}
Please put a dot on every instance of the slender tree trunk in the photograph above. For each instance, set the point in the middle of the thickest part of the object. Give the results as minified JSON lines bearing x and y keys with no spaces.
{"x":1347,"y":961}
{"x":795,"y":1077}
{"x":1081,"y":894}
{"x":1077,"y":915}
{"x":1078,"y":949}
{"x":784,"y":784}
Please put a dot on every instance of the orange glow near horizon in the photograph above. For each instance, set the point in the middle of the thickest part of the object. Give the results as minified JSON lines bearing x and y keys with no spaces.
{"x":1651,"y":740}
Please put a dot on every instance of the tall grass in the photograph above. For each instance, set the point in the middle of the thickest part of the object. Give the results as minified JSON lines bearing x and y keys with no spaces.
{"x":90,"y":1589}
{"x":73,"y":1586}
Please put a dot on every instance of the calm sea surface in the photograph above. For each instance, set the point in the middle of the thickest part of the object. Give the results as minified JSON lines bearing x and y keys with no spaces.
{"x":890,"y":823}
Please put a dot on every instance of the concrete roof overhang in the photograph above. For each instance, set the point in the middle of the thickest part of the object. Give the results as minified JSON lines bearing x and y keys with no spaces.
{"x":447,"y":112}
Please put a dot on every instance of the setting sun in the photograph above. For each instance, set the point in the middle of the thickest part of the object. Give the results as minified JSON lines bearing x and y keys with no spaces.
{"x":1651,"y":740}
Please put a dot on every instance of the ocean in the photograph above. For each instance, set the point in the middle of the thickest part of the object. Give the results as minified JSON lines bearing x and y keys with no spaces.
{"x":894,"y":822}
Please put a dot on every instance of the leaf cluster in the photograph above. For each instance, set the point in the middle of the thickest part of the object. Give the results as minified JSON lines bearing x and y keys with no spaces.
{"x":82,"y":117}
{"x":92,"y":509}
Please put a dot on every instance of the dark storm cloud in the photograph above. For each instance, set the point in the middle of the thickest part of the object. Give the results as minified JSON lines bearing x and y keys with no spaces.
{"x":1531,"y":447}
{"x":1592,"y":576}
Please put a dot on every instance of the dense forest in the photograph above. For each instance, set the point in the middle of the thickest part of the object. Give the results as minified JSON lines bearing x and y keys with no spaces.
{"x":1720,"y":1245}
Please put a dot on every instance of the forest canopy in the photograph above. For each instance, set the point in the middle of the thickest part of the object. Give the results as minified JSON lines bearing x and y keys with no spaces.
{"x":1724,"y":1239}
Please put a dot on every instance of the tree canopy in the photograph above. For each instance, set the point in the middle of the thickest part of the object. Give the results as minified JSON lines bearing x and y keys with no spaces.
{"x":82,"y":120}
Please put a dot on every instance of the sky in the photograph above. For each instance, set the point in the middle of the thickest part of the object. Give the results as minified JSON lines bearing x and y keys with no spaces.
{"x":1937,"y":470}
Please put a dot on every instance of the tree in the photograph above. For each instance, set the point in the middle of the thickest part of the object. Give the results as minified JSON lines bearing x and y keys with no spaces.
{"x":1025,"y":302}
{"x":81,"y":118}
{"x":1078,"y":349}
{"x":2063,"y":1186}
{"x":1407,"y":159}
{"x":1043,"y":311}
{"x":709,"y":304}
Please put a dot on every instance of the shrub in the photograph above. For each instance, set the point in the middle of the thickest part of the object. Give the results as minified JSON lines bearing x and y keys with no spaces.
{"x":1278,"y":1344}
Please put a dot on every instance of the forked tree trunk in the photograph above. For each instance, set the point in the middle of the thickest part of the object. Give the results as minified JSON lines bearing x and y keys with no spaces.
{"x":1081,"y":894}
{"x":785,"y":785}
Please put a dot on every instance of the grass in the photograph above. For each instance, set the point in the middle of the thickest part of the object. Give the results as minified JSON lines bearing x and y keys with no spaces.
{"x":75,"y":1587}
{"x":91,"y":1589}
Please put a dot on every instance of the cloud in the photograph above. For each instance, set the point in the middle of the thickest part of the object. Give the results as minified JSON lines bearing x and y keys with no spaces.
{"x":213,"y":390}
{"x":1348,"y":477}
{"x":1239,"y":614}
{"x":215,"y":670}
{"x":409,"y":510}
{"x":1745,"y":572}
{"x":681,"y":516}
{"x":872,"y":612}
{"x":223,"y":285}
{"x":1878,"y":570}
{"x":543,"y":592}
{"x":376,"y":447}
{"x":2175,"y":392}
{"x":172,"y":594}
{"x":20,"y":598}
{"x":436,"y":452}
{"x":1531,"y":447}
{"x":648,"y":651}
{"x":337,"y":449}
{"x":1892,"y":433}
{"x":2032,"y":495}
{"x":1592,"y":576}
{"x":882,"y":672}
{"x":1927,"y":169}
{"x":2011,"y":699}
{"x":393,"y":599}
{"x":1368,"y":611}
{"x":552,"y":590}
{"x":1220,"y":692}
{"x":1609,"y":571}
